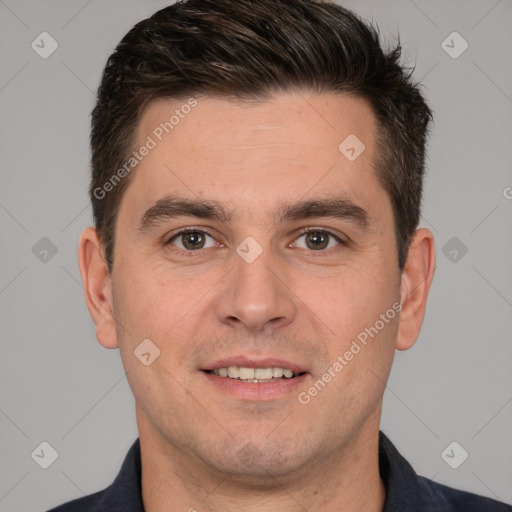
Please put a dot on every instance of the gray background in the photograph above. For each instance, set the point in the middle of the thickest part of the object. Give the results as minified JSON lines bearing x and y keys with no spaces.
{"x":58,"y":385}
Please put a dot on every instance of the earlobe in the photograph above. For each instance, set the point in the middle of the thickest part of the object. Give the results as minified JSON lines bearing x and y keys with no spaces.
{"x":97,"y":286}
{"x":417,"y":277}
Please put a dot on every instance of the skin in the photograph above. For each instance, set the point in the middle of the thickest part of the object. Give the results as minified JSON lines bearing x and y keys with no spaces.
{"x":201,"y":447}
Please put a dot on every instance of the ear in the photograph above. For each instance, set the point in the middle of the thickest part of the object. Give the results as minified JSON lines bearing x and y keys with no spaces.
{"x":416,"y":279}
{"x":98,"y":286}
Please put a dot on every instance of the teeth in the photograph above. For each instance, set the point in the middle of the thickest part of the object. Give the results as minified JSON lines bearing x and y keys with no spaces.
{"x":233,"y":372}
{"x":263,"y":373}
{"x":245,"y":373}
{"x":253,"y":374}
{"x":277,"y":372}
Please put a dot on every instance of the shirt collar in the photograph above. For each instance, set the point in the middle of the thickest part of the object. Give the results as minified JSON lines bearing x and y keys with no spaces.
{"x":404,"y":489}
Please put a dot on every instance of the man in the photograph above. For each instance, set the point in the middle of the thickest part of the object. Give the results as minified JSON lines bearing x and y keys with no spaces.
{"x":257,"y":179}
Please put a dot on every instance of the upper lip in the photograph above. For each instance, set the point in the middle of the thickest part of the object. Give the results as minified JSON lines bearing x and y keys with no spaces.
{"x":250,"y":362}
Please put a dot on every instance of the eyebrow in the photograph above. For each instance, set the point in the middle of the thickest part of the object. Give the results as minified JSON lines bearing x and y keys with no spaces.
{"x":171,"y":207}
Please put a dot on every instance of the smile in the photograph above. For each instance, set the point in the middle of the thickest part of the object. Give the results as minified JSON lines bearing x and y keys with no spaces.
{"x":255,"y":375}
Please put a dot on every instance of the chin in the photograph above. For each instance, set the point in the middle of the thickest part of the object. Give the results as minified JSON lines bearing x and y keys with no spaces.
{"x":259,"y":461}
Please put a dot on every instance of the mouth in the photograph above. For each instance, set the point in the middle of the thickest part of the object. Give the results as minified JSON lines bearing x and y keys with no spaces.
{"x":255,"y":380}
{"x":255,"y":375}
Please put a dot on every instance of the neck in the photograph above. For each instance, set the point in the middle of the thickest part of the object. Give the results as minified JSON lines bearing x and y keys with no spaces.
{"x":348,"y":481}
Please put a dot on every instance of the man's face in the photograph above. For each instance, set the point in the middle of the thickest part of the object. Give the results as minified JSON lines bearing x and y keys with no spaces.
{"x":250,"y":288}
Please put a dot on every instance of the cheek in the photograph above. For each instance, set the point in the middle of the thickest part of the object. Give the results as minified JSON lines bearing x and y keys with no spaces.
{"x":146,"y":304}
{"x":151,"y":318}
{"x":353,"y":301}
{"x":166,"y":310}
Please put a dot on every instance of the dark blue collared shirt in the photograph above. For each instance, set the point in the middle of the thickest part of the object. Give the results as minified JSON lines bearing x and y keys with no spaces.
{"x":405,"y":490}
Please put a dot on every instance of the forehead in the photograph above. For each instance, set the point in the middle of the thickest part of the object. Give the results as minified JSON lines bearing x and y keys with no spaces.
{"x":301,"y":119}
{"x":258,"y":152}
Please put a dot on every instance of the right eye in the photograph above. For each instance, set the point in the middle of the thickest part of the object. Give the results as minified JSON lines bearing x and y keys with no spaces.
{"x":192,"y":240}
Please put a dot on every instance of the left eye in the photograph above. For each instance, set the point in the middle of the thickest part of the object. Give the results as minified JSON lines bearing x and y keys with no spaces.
{"x":317,"y":240}
{"x":192,"y":240}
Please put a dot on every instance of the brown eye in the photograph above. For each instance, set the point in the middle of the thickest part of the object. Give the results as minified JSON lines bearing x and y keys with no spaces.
{"x":317,"y":240}
{"x":192,"y":240}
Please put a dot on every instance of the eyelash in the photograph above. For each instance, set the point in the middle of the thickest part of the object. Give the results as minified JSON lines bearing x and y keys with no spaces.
{"x":302,"y":233}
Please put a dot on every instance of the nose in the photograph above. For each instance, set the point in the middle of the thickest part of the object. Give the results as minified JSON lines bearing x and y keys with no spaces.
{"x":255,"y":296}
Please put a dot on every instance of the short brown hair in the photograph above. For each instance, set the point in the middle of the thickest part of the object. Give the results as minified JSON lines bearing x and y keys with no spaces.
{"x":250,"y":49}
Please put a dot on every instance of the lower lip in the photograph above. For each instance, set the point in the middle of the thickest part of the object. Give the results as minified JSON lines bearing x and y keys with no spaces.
{"x":256,"y":390}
